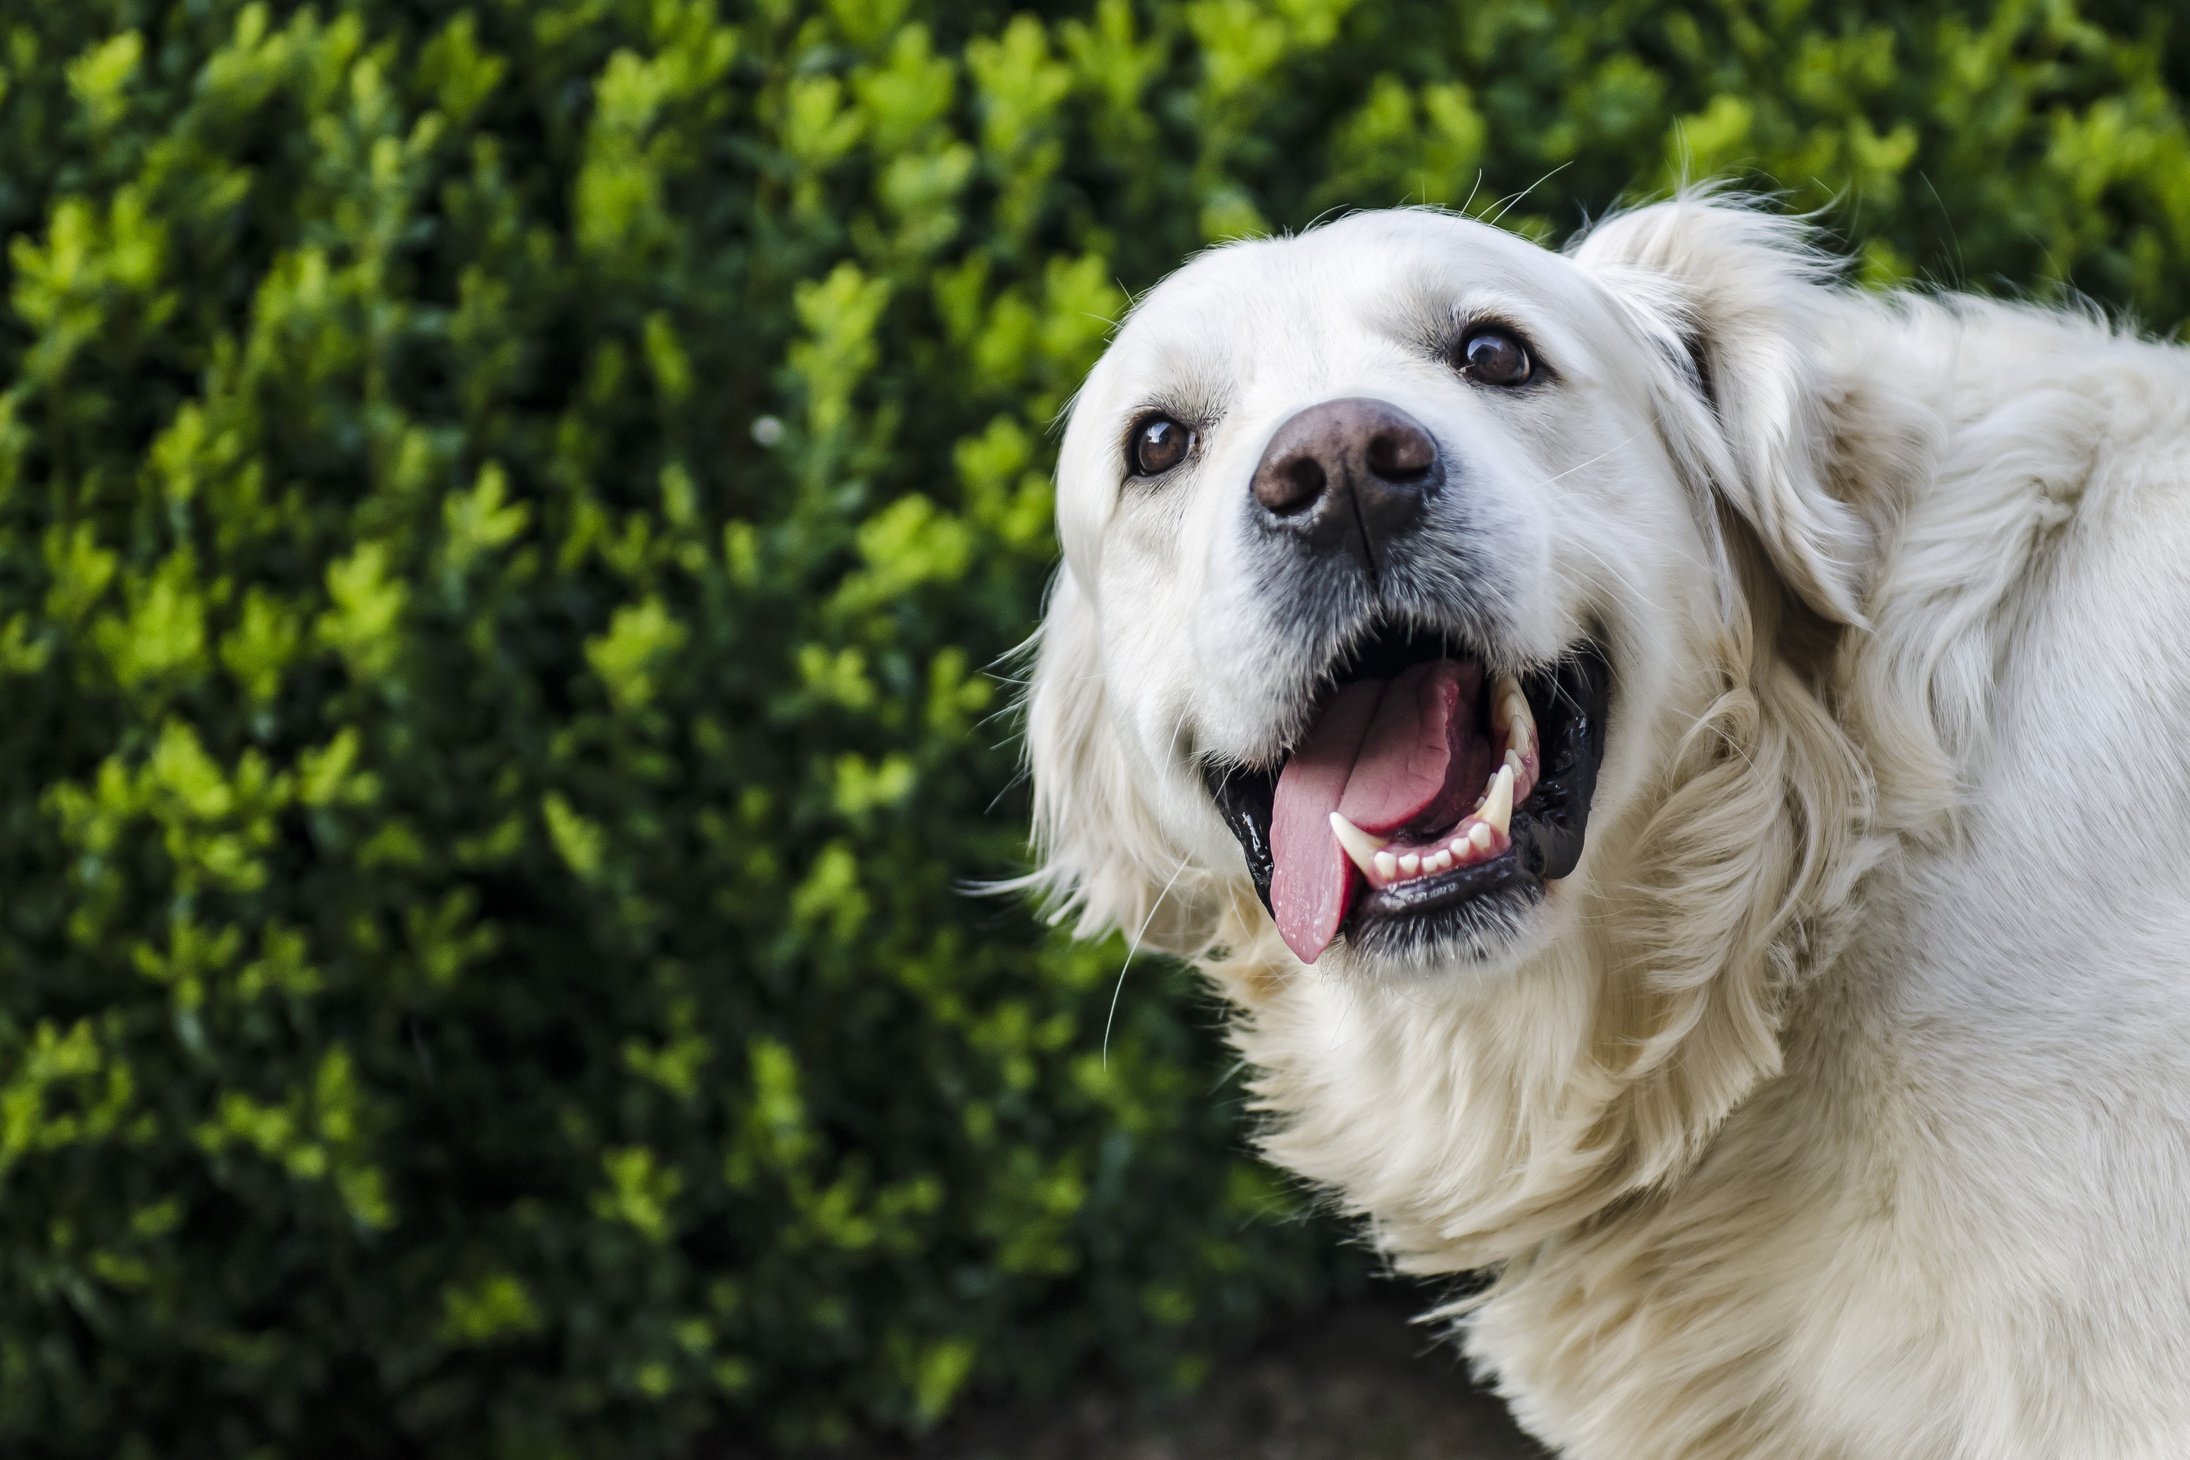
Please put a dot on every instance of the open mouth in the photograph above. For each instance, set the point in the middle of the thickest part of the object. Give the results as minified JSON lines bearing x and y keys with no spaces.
{"x":1430,"y":799}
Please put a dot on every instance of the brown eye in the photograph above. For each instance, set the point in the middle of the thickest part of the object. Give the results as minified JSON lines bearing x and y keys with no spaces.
{"x":1159,"y":444}
{"x":1495,"y":357}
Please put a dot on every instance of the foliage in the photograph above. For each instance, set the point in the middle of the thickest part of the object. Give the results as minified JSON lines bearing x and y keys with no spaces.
{"x":505,"y":513}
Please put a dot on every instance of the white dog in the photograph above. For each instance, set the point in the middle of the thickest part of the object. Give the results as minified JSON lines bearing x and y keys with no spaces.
{"x":1682,"y":768}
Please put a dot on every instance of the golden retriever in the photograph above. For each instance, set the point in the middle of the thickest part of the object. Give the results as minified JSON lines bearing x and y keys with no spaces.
{"x":1681,"y":767}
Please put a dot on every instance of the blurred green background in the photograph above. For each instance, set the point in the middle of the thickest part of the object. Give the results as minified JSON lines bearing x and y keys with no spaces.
{"x":509,"y":518}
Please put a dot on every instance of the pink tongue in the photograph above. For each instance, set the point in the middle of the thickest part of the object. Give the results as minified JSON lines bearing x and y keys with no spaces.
{"x":1385,"y":753}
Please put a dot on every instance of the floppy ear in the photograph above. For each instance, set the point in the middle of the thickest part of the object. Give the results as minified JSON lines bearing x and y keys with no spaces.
{"x":1737,"y":297}
{"x":1104,"y":862}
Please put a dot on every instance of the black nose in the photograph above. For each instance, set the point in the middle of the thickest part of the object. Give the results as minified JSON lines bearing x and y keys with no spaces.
{"x":1347,"y":473}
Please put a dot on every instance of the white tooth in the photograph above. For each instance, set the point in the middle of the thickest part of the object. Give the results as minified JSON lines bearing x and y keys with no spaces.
{"x":1514,"y":762}
{"x":1359,"y":845}
{"x":1410,"y":864}
{"x":1442,"y":862}
{"x":1497,"y":812}
{"x":1387,"y":866}
{"x":1459,"y":847}
{"x":1480,"y":837}
{"x":1518,"y":717}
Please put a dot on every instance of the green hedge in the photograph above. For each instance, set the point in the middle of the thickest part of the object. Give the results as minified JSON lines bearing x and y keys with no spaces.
{"x":506,"y":516}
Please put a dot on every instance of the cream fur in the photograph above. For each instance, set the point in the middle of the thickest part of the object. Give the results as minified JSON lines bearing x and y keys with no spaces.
{"x":1839,"y":1104}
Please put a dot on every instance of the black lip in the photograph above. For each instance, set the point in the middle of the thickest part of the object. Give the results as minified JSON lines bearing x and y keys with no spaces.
{"x":1469,"y":904}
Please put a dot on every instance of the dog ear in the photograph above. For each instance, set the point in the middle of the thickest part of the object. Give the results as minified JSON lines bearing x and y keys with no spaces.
{"x":1735,"y":296}
{"x":1100,"y":845}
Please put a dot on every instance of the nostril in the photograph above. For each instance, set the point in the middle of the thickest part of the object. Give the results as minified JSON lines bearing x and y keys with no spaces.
{"x":1401,"y":454}
{"x":1291,"y":485}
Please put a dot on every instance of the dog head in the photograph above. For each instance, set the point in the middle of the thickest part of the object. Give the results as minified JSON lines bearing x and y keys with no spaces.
{"x":1402,"y":559}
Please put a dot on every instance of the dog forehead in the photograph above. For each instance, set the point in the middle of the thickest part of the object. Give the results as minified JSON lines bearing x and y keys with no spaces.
{"x":1368,"y":280}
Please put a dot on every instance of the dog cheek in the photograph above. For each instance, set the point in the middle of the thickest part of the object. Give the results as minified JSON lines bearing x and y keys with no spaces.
{"x":1227,"y":628}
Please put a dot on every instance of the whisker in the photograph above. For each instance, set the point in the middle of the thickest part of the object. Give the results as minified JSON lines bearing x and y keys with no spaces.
{"x":1506,"y":205}
{"x":1600,"y":456}
{"x":1131,"y":949}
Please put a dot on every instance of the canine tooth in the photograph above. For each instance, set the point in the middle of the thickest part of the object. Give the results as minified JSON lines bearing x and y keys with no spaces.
{"x":1514,"y":762}
{"x":1520,"y":724}
{"x":1358,"y":844}
{"x":1410,"y":864}
{"x":1387,"y":866}
{"x":1520,"y":721}
{"x":1497,"y":812}
{"x":1480,"y":837}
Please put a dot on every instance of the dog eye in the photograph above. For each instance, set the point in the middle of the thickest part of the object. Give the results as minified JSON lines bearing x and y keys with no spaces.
{"x":1495,"y":357}
{"x":1159,"y":444}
